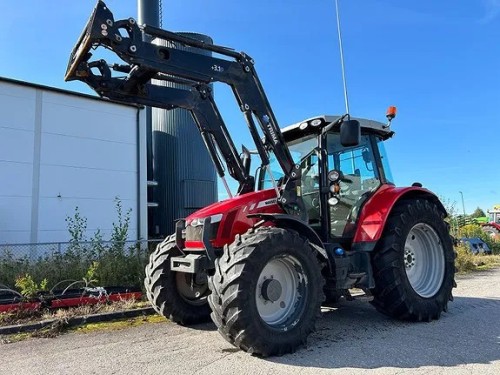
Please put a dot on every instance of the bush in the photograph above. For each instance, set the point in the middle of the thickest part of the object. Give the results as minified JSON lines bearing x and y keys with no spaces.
{"x":467,"y":262}
{"x":112,"y":263}
{"x":28,"y":287}
{"x":474,"y":230}
{"x":464,"y":262}
{"x":110,"y":266}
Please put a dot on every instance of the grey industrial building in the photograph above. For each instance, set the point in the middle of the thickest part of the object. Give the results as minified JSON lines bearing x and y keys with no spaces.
{"x":60,"y":150}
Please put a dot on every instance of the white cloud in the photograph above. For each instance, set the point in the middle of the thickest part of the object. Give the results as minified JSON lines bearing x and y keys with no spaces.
{"x":492,"y":10}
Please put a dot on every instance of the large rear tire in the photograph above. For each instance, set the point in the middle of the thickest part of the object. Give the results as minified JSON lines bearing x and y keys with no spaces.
{"x":180,"y":297}
{"x":267,"y":291}
{"x":493,"y":232}
{"x":414,"y":263}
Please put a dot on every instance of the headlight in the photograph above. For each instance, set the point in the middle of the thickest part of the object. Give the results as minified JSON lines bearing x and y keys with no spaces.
{"x":333,"y":201}
{"x":195,"y":229}
{"x":333,"y":175}
{"x":200,"y":220}
{"x":316,"y":122}
{"x":215,"y":218}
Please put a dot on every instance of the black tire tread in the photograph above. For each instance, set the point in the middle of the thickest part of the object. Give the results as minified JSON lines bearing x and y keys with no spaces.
{"x":393,"y":294}
{"x":161,"y":288}
{"x":235,"y":323}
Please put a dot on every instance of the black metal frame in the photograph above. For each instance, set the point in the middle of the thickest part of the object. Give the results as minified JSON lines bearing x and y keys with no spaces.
{"x":145,"y":61}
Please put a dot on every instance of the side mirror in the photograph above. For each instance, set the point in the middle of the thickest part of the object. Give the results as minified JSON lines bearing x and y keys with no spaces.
{"x":350,"y":133}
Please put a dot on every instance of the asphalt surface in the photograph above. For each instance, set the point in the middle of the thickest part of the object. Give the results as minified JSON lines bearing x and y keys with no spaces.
{"x":353,"y":339}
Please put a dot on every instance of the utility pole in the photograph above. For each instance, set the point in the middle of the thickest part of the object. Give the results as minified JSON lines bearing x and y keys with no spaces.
{"x":463,"y":204}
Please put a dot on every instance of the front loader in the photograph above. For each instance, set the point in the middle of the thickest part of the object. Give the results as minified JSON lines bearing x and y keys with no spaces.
{"x":320,"y":216}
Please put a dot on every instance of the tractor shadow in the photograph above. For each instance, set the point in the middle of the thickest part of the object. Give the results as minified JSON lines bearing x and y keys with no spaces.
{"x":204,"y":326}
{"x":355,"y":335}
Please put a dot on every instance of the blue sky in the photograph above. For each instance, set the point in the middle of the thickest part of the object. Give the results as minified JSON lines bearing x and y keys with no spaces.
{"x":437,"y":61}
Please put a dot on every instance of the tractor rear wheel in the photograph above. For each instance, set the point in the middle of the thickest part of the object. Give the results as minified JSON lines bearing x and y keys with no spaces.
{"x":493,"y":232}
{"x":414,"y":263}
{"x":267,"y":291}
{"x":180,"y":297}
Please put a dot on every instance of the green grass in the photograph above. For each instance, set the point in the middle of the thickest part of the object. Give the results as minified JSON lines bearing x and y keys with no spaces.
{"x":62,"y":316}
{"x":110,"y":265}
{"x":466,"y":262}
{"x":120,"y":324}
{"x":58,"y":329}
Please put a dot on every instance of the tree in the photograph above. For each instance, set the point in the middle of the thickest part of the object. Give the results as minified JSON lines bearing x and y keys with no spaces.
{"x":478,"y":213}
{"x":452,"y":218}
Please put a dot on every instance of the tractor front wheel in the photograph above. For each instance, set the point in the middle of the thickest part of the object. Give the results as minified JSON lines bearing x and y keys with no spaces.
{"x":178,"y":296}
{"x":414,"y":263}
{"x":266,"y":291}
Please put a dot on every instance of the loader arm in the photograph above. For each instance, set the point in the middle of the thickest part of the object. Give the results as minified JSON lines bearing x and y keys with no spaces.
{"x":146,"y":60}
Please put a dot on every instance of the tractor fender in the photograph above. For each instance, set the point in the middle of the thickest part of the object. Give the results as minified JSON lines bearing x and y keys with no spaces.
{"x":377,"y":209}
{"x":287,"y":221}
{"x":491,"y":225}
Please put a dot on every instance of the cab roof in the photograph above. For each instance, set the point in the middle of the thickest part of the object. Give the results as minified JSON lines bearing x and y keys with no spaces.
{"x":323,"y":120}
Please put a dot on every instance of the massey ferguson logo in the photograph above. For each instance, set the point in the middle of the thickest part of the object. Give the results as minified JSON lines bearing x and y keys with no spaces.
{"x":269,"y":202}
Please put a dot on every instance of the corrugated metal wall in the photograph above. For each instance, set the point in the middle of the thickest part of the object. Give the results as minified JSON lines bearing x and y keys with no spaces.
{"x":185,"y":174}
{"x":61,"y":150}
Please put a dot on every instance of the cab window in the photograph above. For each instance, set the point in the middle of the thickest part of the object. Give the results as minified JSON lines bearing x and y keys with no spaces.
{"x":358,"y":179}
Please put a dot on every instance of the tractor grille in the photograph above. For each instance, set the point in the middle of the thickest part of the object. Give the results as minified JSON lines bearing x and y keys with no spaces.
{"x":196,"y":233}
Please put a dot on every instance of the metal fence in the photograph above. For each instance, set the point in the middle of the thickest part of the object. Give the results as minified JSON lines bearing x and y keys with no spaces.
{"x":109,"y":263}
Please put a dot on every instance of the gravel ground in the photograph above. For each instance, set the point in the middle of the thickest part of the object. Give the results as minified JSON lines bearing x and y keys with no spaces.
{"x":353,"y":339}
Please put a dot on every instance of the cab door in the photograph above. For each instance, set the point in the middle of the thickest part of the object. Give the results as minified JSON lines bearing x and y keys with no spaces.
{"x":359,"y":178}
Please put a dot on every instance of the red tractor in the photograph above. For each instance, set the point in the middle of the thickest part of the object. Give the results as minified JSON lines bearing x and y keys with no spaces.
{"x":493,"y":226}
{"x":321,"y":216}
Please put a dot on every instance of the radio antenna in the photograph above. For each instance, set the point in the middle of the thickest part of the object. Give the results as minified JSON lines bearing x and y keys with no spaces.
{"x":346,"y":98}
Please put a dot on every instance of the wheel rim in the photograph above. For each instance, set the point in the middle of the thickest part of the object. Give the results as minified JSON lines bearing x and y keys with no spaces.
{"x":281,"y":292}
{"x":424,"y":260}
{"x":192,"y":288}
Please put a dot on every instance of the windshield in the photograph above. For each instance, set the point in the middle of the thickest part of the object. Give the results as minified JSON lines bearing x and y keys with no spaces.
{"x":385,"y":162}
{"x":299,"y":149}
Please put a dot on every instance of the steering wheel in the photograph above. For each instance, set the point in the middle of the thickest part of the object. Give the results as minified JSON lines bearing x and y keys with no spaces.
{"x":311,"y":186}
{"x":314,"y":200}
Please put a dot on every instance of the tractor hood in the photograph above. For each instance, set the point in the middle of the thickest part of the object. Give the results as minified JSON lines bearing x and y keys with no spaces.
{"x":248,"y":203}
{"x":229,"y":217}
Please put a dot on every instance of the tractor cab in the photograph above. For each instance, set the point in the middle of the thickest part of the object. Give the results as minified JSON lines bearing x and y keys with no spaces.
{"x":493,"y":226}
{"x":336,"y":180}
{"x":494,"y":214}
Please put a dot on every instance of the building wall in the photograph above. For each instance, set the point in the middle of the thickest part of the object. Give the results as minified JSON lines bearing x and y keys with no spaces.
{"x":59,"y":151}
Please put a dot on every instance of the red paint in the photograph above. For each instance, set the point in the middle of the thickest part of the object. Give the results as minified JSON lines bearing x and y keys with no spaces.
{"x":371,"y":221}
{"x":244,"y":204}
{"x":93,"y":300}
{"x":76,"y":301}
{"x":376,"y":210}
{"x":71,"y":302}
{"x":492,"y":224}
{"x":20,"y":306}
{"x":194,"y":245}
